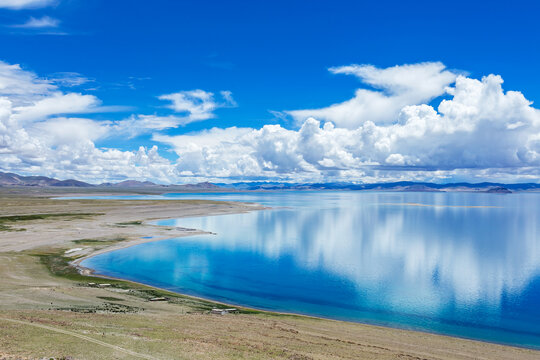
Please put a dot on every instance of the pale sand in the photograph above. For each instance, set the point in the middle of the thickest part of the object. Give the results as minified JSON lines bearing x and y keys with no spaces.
{"x":105,"y":224}
{"x":33,"y":326}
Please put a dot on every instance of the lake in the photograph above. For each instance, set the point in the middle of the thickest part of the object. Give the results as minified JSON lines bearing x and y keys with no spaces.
{"x":461,"y":264}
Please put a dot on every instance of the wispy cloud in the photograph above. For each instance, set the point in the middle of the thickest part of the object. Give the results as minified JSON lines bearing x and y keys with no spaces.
{"x":26,"y":4}
{"x":69,"y":79}
{"x":198,"y":104}
{"x":191,"y":106}
{"x":45,"y":22}
{"x":229,"y":101}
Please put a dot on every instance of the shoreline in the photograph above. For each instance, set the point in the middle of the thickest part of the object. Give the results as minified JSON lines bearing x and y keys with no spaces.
{"x":184,"y":233}
{"x":307,"y":316}
{"x":92,"y":272}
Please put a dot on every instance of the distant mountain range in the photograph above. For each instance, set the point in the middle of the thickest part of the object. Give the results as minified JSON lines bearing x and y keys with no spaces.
{"x":128,"y":183}
{"x":10,"y":179}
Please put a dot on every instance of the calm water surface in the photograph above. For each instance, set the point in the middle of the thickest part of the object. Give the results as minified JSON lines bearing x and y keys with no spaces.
{"x":461,"y":264}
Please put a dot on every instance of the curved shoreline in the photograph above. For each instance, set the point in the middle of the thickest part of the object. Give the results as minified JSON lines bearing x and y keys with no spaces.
{"x":92,"y":272}
{"x":184,"y":233}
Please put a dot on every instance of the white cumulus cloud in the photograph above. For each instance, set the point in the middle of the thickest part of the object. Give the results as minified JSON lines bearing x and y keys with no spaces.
{"x":477,"y":131}
{"x":480,"y":130}
{"x":36,"y":138}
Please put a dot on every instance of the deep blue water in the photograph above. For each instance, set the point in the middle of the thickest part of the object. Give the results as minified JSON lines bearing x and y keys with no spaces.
{"x":462,"y":264}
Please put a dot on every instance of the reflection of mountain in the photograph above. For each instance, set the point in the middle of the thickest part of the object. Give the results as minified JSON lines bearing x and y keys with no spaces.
{"x":393,"y":186}
{"x":399,"y":255}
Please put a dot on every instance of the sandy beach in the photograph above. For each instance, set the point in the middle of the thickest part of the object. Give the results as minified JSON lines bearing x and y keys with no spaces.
{"x":49,"y":310}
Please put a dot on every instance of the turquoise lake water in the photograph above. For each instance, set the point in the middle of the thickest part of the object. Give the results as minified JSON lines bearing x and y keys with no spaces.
{"x":462,"y":264}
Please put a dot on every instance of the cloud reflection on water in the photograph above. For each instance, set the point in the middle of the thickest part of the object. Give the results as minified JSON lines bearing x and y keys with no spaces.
{"x":399,"y":254}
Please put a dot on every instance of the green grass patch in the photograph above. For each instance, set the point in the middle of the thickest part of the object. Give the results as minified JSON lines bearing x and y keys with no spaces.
{"x":99,"y":241}
{"x":7,"y":221}
{"x":109,"y":298}
{"x":59,"y":265}
{"x":9,"y":228}
{"x":129,"y":223}
{"x":14,"y":218}
{"x":103,"y":308}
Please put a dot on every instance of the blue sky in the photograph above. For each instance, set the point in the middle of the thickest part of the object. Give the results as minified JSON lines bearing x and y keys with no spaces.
{"x":273,"y":57}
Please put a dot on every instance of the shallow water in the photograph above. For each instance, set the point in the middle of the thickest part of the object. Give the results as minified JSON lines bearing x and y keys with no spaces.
{"x":462,"y":264}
